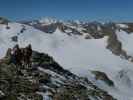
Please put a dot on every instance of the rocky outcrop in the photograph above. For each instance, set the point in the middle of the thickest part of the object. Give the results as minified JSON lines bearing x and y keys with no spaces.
{"x":4,"y":20}
{"x":103,"y":77}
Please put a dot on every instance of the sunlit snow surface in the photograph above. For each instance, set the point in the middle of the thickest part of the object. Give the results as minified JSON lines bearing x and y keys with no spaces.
{"x":78,"y":55}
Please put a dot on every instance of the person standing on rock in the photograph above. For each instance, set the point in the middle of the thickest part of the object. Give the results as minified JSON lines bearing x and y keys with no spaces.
{"x":27,"y":55}
{"x":16,"y":55}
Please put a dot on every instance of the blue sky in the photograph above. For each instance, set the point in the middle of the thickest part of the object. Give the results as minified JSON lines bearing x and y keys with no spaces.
{"x":105,"y":10}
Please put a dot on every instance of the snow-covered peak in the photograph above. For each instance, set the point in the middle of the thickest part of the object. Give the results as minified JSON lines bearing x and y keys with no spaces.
{"x":78,"y":22}
{"x":48,"y":20}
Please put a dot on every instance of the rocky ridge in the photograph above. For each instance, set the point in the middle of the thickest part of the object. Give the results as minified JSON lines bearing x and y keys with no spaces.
{"x":45,"y":80}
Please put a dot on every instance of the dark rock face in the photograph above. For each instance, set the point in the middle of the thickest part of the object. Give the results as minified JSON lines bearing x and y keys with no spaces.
{"x":14,"y":38}
{"x":3,"y":20}
{"x":102,"y":76}
{"x":48,"y":28}
{"x":114,"y":45}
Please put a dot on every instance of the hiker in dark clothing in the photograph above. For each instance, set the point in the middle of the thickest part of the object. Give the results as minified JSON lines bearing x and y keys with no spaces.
{"x":27,"y":55}
{"x":28,"y":51}
{"x":16,"y":55}
{"x":23,"y":56}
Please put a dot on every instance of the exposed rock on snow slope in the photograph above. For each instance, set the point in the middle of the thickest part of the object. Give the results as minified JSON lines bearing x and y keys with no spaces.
{"x":80,"y":48}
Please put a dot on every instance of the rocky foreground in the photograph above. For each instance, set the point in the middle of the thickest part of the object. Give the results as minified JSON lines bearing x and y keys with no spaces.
{"x":45,"y":80}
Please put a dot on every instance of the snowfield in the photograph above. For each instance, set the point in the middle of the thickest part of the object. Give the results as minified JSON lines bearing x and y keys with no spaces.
{"x":78,"y":55}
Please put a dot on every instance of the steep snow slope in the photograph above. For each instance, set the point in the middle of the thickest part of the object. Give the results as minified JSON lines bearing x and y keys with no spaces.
{"x":76,"y":54}
{"x":126,"y":40}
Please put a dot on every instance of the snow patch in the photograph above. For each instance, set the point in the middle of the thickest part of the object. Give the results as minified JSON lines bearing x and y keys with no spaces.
{"x":122,"y":25}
